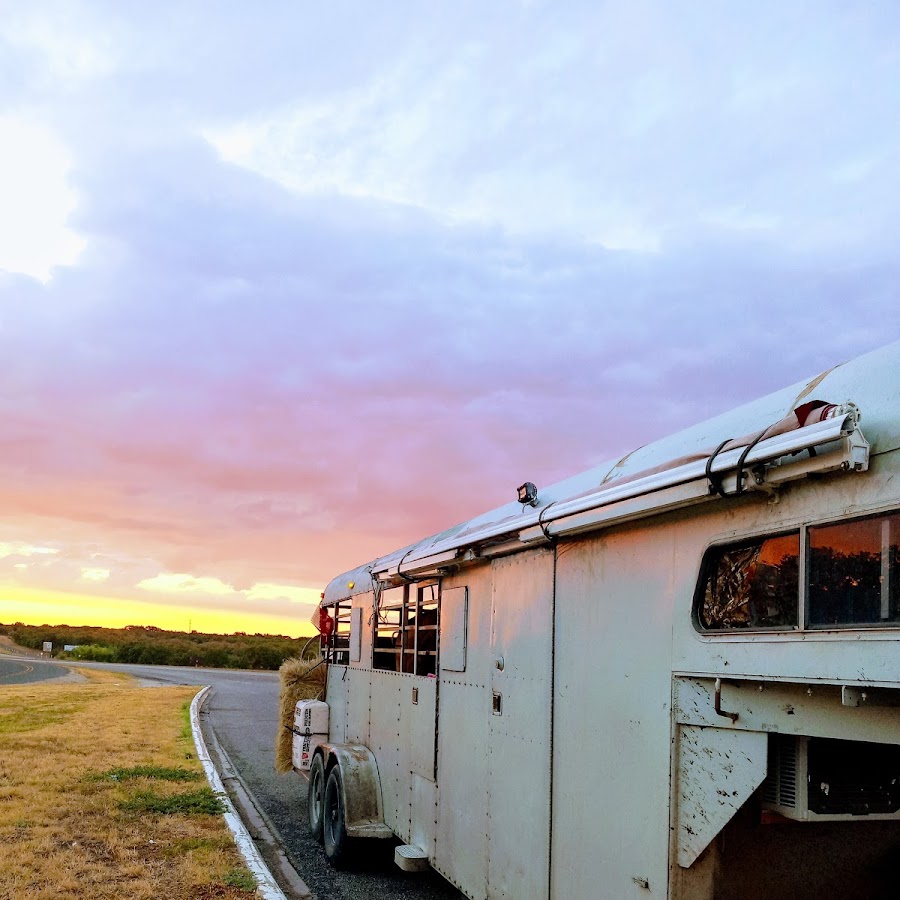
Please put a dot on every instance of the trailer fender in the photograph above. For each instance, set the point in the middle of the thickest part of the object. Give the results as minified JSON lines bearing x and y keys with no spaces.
{"x":361,"y":784}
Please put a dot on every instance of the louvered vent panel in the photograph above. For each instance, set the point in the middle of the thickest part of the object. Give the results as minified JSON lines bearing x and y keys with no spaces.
{"x":787,"y":772}
{"x":780,"y":786}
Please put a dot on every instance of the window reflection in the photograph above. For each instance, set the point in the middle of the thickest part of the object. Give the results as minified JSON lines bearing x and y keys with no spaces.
{"x":388,"y":628}
{"x":853,"y":573}
{"x":752,"y":585}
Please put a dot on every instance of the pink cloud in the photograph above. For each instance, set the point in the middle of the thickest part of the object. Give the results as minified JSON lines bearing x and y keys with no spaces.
{"x":245,"y":385}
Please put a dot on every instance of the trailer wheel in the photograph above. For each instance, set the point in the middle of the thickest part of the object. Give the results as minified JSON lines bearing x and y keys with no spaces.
{"x":315,"y":798}
{"x":334,"y":826}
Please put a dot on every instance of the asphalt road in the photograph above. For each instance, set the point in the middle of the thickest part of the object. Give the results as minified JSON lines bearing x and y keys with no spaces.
{"x":25,"y":671}
{"x":242,"y":712}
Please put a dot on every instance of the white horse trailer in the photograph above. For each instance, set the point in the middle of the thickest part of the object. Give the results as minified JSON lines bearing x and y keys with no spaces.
{"x":677,"y":675}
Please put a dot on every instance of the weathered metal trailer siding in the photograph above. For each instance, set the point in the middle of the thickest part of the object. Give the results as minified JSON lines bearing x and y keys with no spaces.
{"x":376,"y":709}
{"x":612,"y":713}
{"x":464,"y":760}
{"x":634,"y":708}
{"x":494,"y":733}
{"x":586,"y":732}
{"x":485,"y":819}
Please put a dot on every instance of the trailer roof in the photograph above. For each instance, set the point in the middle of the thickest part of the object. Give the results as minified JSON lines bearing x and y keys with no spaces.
{"x":872,"y":382}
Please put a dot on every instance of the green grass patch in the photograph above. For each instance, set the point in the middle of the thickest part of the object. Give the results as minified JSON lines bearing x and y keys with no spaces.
{"x":16,"y":718}
{"x":202,"y":802}
{"x":241,"y":879}
{"x":157,"y":773}
{"x":187,"y":733}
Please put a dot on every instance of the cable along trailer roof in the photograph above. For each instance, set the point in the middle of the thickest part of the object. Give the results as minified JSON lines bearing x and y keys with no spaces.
{"x":815,"y":437}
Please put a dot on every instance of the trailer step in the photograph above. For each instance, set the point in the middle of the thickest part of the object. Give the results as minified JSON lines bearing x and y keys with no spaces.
{"x":411,"y":858}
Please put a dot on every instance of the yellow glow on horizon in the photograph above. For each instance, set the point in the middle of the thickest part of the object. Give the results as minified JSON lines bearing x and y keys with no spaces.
{"x":36,"y":607}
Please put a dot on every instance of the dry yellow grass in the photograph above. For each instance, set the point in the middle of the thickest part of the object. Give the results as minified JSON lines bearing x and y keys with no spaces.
{"x":66,"y":751}
{"x":104,"y":676}
{"x":300,"y":680}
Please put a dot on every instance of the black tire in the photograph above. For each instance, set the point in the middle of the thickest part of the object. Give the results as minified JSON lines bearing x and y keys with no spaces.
{"x":315,"y":798}
{"x":334,"y":826}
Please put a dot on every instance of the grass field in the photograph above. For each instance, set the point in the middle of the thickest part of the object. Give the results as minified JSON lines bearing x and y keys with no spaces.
{"x":101,"y":796}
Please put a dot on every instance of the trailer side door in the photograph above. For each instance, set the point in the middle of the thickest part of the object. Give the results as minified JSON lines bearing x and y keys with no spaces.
{"x":494,"y":717}
{"x":520,"y":726}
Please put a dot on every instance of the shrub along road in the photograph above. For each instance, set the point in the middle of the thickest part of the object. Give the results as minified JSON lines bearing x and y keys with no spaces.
{"x":241,"y":712}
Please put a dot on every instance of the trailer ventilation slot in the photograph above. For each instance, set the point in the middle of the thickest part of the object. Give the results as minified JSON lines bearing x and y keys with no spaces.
{"x":780,"y":786}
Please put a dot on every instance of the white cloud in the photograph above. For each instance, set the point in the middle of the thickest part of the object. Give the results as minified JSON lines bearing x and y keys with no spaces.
{"x":95,"y":574}
{"x":17,"y":548}
{"x":37,"y":200}
{"x":71,"y":51}
{"x":331,"y":145}
{"x":174,"y":583}
{"x":180,"y":583}
{"x":632,"y":148}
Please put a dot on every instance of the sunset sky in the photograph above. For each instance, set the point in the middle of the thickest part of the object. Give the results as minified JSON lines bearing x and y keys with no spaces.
{"x":285,"y":286}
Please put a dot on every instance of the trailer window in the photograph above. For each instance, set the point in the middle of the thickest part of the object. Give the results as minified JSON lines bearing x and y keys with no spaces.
{"x":339,"y":642}
{"x":852,"y":579}
{"x":853,"y":573}
{"x":389,"y":617}
{"x":751,"y":585}
{"x":406,"y":630}
{"x":424,"y":632}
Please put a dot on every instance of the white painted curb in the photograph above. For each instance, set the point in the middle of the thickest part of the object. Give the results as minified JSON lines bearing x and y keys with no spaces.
{"x":267,"y":887}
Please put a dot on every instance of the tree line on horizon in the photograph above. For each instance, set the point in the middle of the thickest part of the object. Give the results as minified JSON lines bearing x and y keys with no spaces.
{"x":149,"y":645}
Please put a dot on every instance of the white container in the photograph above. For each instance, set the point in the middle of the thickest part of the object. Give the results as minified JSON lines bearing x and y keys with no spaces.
{"x":311,"y":717}
{"x":304,"y":745}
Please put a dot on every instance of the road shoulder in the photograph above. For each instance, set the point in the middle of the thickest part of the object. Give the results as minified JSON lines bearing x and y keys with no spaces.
{"x":255,"y":835}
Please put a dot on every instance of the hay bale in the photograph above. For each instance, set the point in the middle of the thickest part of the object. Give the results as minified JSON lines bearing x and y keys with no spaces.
{"x":301,"y":679}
